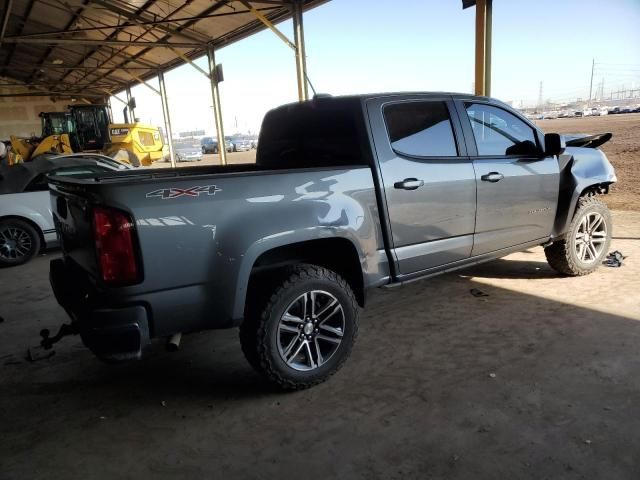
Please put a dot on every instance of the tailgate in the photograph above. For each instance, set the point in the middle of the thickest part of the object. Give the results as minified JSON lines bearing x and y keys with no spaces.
{"x":71,"y":209}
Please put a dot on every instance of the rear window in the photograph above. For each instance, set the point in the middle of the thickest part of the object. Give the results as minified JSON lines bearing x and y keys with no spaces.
{"x":420,"y":129}
{"x":314,"y":134}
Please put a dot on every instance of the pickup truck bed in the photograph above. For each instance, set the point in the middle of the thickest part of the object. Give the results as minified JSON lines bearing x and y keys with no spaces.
{"x":347,"y":194}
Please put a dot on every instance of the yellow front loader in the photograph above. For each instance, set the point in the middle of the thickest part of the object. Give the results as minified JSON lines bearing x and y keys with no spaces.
{"x":87,"y":128}
{"x":25,"y":149}
{"x":136,"y":143}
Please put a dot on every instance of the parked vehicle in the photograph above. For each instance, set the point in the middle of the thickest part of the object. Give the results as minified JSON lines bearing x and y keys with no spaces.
{"x":347,"y":194}
{"x":240,"y":144}
{"x":210,"y":145}
{"x":26,"y":224}
{"x":187,"y":150}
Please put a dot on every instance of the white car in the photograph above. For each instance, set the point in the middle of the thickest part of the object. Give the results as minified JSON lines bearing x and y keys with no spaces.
{"x":26,"y":223}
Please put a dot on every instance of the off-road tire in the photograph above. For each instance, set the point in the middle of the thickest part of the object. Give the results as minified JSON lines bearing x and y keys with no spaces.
{"x":561,"y":254}
{"x":18,"y":226}
{"x":258,"y":332}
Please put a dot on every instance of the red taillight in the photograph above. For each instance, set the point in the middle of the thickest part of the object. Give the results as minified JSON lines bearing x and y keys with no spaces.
{"x":113,"y":232}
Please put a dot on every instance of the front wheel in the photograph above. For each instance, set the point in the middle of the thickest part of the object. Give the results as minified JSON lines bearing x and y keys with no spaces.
{"x":19,"y":242}
{"x":305,"y":330}
{"x":586,"y":242}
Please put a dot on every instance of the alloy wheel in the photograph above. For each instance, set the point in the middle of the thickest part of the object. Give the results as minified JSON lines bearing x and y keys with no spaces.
{"x":310,"y":331}
{"x":591,"y":237}
{"x":15,"y":243}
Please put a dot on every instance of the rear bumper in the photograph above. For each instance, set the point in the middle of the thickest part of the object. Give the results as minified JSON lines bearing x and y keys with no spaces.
{"x":115,"y":333}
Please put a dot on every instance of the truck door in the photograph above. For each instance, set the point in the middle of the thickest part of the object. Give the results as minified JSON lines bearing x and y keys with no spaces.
{"x":517,"y":185}
{"x":428,"y":182}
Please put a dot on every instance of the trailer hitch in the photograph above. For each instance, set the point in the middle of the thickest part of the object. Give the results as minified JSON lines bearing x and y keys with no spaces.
{"x":47,"y":340}
{"x":45,"y":348}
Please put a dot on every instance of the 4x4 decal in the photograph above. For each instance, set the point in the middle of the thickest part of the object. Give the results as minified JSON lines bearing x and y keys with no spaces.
{"x":169,"y":193}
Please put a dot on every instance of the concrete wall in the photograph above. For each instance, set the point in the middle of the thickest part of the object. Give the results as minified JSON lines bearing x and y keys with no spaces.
{"x":19,"y":115}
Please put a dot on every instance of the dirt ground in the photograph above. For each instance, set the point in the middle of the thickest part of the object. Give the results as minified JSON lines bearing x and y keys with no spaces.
{"x":537,"y":380}
{"x":623,"y":150}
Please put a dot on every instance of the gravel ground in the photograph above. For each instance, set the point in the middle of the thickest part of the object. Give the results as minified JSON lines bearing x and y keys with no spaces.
{"x":537,"y":380}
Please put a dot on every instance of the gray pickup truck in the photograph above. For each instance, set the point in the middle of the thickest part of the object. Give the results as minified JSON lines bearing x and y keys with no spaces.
{"x":347,"y":194}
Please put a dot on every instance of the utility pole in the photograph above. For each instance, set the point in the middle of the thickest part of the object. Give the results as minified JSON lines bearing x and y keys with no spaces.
{"x":593,"y":64}
{"x":540,"y":101}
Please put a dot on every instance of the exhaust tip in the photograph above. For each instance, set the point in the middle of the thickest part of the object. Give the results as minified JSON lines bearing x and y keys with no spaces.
{"x":173,"y":343}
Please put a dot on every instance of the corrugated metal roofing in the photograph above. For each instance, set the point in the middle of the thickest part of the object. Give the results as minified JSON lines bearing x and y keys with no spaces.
{"x":92,"y":50}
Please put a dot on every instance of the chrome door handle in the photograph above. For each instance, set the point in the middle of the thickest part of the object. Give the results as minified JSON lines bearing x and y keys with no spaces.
{"x":409,"y":184}
{"x":492,"y":177}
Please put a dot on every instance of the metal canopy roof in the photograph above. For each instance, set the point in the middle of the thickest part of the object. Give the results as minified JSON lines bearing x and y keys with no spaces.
{"x":91,"y":47}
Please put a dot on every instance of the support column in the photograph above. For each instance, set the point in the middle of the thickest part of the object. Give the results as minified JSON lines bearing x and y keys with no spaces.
{"x":217,"y":107}
{"x":487,"y":48}
{"x":132,"y":112}
{"x":481,"y":30}
{"x":301,"y":56}
{"x":167,"y":118}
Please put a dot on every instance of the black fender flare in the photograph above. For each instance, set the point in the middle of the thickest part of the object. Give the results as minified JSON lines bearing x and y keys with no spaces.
{"x":581,"y":170}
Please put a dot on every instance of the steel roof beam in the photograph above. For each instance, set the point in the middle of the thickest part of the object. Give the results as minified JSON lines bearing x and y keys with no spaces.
{"x":63,"y":67}
{"x":52,"y":94}
{"x":5,"y":19}
{"x":67,"y":26}
{"x":141,"y":24}
{"x":27,"y":13}
{"x":115,"y":43}
{"x":207,"y":11}
{"x":148,"y":4}
{"x":112,"y":35}
{"x":141,"y":16}
{"x":268,"y":24}
{"x":51,"y":85}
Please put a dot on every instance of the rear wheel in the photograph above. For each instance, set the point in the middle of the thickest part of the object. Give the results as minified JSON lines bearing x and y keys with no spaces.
{"x":586,"y":242}
{"x":19,"y":242}
{"x":304,"y":331}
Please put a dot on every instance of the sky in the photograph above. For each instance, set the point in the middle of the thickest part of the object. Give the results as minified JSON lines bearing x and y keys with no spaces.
{"x":359,"y":46}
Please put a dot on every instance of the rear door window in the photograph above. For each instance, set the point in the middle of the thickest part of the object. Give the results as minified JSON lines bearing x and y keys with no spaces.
{"x":499,"y":133}
{"x":420,"y":129}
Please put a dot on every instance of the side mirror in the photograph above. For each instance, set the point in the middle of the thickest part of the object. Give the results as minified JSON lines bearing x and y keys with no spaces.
{"x":554,"y":144}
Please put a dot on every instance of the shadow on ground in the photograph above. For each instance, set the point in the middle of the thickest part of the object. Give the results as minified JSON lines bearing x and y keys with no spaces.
{"x":441,"y":384}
